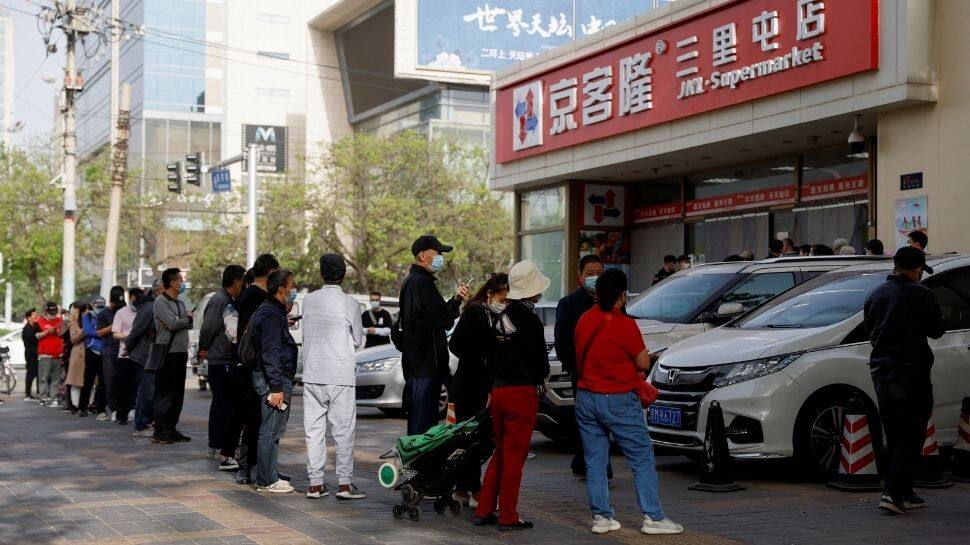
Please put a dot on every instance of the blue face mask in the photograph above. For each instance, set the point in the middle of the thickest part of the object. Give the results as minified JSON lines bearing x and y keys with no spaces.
{"x":590,"y":283}
{"x":437,"y":263}
{"x":291,"y":298}
{"x":182,"y":287}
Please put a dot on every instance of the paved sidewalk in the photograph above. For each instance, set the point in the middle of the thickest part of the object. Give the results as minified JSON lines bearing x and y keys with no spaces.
{"x":67,"y":480}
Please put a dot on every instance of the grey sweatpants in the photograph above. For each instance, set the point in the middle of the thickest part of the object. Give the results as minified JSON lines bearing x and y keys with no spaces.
{"x":48,"y":373}
{"x":334,"y":406}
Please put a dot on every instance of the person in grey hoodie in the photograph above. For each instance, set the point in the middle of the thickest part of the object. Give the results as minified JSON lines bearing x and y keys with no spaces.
{"x":216,"y":347}
{"x":172,"y":324}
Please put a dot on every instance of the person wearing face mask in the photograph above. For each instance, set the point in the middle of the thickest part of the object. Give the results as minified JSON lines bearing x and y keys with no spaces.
{"x":75,"y":365}
{"x":273,"y":376}
{"x":215,"y":347}
{"x":126,"y":370}
{"x":425,"y":320}
{"x":520,"y":364}
{"x":50,"y":348}
{"x":568,"y":312}
{"x":376,"y":322}
{"x":899,"y":316}
{"x":611,"y":353}
{"x":93,"y":363}
{"x":472,"y":382}
{"x":172,"y":325}
{"x":114,"y":377}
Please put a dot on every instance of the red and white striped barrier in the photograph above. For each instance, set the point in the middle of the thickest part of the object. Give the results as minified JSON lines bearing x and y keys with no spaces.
{"x":450,"y":415}
{"x":929,"y":474}
{"x":960,"y":456}
{"x":857,"y":458}
{"x":857,"y":462}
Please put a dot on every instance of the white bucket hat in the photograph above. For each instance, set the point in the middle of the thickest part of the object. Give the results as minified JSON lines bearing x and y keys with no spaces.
{"x":526,"y":281}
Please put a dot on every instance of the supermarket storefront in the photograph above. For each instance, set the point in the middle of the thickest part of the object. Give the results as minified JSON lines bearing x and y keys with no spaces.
{"x":708,"y":131}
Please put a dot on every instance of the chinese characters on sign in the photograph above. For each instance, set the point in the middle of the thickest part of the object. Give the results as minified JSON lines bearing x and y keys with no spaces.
{"x":271,"y":141}
{"x":741,"y":201}
{"x":733,"y":53}
{"x":842,"y":187}
{"x":658,"y":212}
{"x":486,"y":35}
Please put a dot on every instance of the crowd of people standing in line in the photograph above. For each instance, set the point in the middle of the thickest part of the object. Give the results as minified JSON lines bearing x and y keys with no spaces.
{"x":130,"y":352}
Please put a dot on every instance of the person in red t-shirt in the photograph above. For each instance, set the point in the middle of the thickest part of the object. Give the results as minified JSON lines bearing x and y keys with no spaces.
{"x":50,"y":348}
{"x":609,"y":355}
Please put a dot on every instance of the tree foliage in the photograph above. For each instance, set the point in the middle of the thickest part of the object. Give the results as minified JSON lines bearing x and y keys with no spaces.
{"x":373,"y":196}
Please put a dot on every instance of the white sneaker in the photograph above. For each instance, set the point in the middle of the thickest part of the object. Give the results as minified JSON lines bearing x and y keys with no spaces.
{"x":656,"y":527}
{"x":279,"y":487}
{"x":102,"y":417}
{"x":317,"y":492}
{"x":601,"y":525}
{"x":352,"y":494}
{"x":114,"y":416}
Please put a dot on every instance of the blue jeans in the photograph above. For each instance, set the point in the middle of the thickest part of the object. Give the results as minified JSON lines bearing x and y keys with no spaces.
{"x":145,"y":399}
{"x":619,"y":415}
{"x":271,"y":430}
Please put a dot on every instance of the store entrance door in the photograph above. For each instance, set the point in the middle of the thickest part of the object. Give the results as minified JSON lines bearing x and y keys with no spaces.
{"x":824,"y":224}
{"x":650,"y":245}
{"x":732,"y":235}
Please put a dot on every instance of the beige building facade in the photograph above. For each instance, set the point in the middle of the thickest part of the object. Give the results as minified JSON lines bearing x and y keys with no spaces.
{"x":751,"y":146}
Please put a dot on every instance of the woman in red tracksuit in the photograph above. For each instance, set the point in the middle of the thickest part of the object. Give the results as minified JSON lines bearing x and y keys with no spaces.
{"x":519,"y":368}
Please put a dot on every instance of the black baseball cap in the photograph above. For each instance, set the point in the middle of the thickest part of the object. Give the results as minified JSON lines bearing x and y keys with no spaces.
{"x":429,"y":242}
{"x":909,"y":258}
{"x":50,"y":306}
{"x":332,"y":267}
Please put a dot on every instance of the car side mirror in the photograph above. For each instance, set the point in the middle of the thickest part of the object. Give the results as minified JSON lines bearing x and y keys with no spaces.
{"x":729,"y":310}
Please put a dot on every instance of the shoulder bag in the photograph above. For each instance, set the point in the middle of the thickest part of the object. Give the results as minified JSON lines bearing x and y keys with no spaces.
{"x":645,"y":391}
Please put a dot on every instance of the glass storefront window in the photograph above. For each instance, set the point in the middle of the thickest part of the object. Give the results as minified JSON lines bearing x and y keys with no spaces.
{"x":547,"y":251}
{"x":834,"y":164}
{"x":542,"y":209}
{"x":729,"y":181}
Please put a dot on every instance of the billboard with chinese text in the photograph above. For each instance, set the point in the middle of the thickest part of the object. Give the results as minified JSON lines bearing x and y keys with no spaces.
{"x":736,"y":52}
{"x":487,"y":35}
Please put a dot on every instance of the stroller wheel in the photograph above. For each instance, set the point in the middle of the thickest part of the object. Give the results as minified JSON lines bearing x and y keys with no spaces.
{"x":414,"y":513}
{"x":408,"y":494}
{"x":398,"y":511}
{"x":455,"y":507}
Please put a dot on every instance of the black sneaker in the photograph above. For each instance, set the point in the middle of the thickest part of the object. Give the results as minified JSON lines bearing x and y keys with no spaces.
{"x":889,"y":505}
{"x":178,"y":437}
{"x":229,"y":464}
{"x":488,"y":519}
{"x":914,"y":502}
{"x":243,"y":477}
{"x":82,"y":413}
{"x":122,"y":422}
{"x":163,"y":439}
{"x":521,"y":525}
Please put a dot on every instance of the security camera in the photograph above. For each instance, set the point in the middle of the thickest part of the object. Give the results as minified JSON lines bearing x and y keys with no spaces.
{"x":857,"y":140}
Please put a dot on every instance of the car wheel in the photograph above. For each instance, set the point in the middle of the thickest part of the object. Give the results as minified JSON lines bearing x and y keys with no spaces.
{"x":818,"y":432}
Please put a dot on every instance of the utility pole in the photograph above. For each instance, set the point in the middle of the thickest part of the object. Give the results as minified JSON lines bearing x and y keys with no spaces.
{"x":119,"y":172}
{"x":115,"y":71}
{"x":251,"y":238}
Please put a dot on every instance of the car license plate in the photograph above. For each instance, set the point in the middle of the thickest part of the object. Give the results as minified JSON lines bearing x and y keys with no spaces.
{"x":664,"y":416}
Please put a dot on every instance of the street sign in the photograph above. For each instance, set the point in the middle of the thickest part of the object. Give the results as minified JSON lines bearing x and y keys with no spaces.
{"x":271,"y":140}
{"x":221,"y":182}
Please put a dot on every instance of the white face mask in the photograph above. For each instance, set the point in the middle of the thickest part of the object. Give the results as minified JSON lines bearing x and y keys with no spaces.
{"x":498,"y":307}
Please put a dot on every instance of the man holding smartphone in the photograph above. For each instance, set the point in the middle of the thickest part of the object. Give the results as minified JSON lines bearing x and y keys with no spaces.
{"x":424,"y":321}
{"x":273,"y":378}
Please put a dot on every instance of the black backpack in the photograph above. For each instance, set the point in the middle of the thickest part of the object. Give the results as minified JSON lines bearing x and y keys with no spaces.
{"x":248,"y":350}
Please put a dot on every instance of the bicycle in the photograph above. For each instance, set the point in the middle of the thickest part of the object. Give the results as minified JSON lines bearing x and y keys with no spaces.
{"x":8,"y":378}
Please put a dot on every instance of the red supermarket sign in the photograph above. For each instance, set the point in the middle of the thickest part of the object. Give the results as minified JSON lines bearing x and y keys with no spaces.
{"x":741,"y":201}
{"x":733,"y":53}
{"x":830,"y":189}
{"x":658,"y":212}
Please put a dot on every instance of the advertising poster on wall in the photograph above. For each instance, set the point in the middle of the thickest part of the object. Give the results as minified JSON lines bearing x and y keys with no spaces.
{"x":911,"y":215}
{"x":613,"y":247}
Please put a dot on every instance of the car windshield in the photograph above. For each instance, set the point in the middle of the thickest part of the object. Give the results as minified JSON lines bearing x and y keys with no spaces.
{"x":820,"y":302}
{"x":676,"y":298}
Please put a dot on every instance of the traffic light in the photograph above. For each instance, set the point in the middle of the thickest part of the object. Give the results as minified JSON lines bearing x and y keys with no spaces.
{"x":174,"y":176}
{"x":193,"y":169}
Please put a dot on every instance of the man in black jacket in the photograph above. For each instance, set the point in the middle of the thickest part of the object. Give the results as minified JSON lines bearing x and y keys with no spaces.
{"x":425,"y":320}
{"x":247,"y":414}
{"x":215,"y":346}
{"x":568,"y":312}
{"x":273,"y":378}
{"x":899,"y":316}
{"x":29,"y":337}
{"x":137,"y":343}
